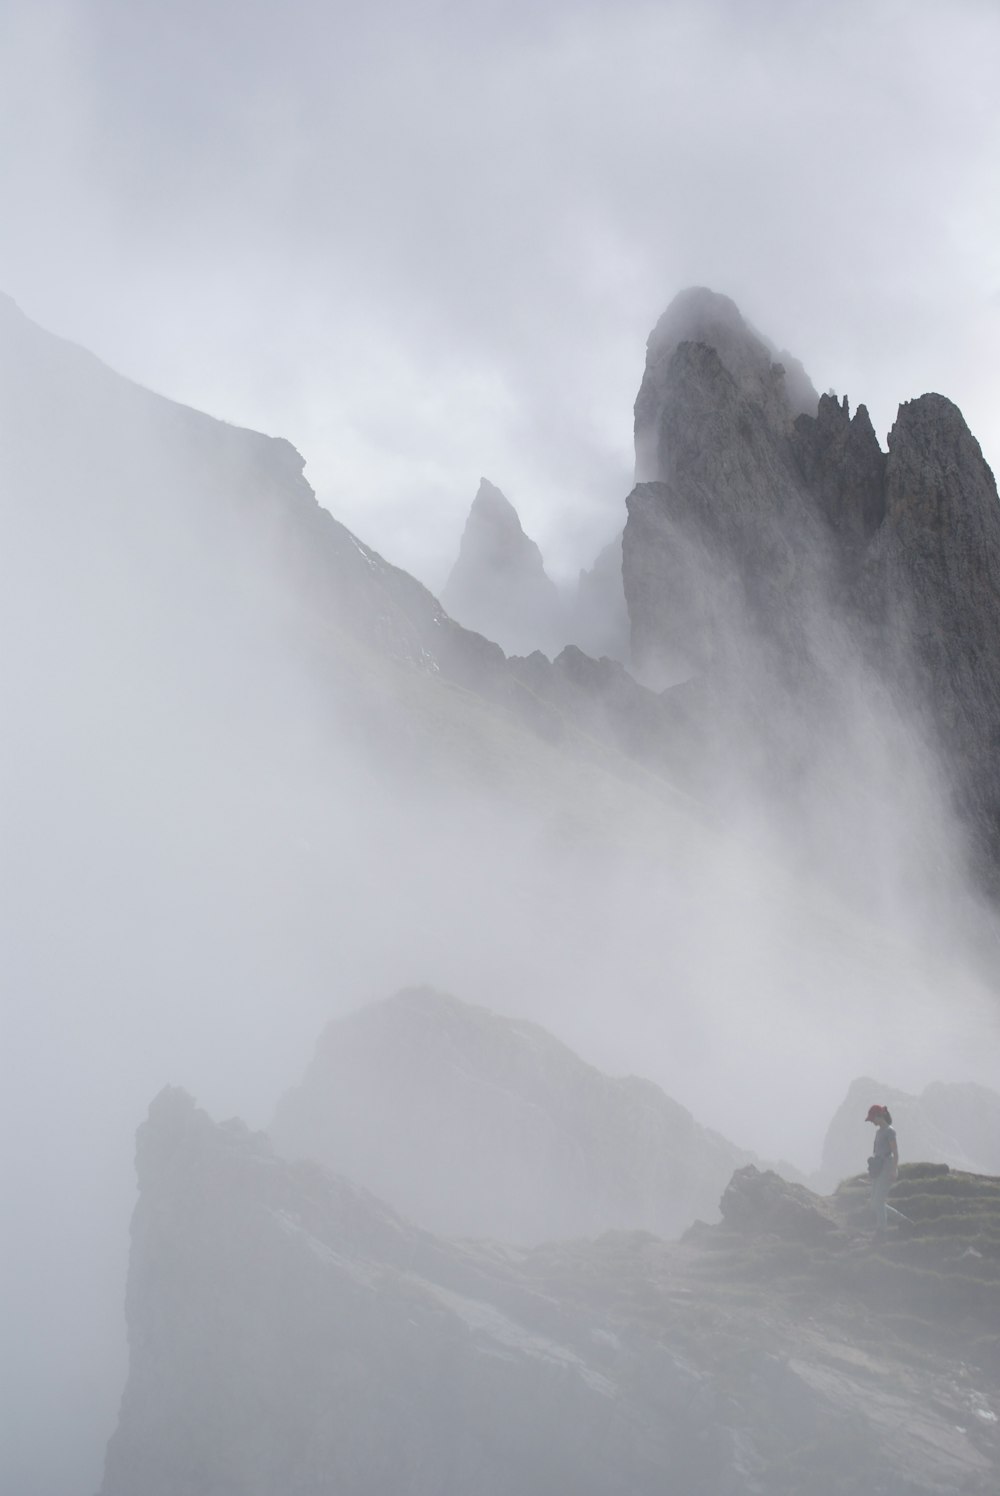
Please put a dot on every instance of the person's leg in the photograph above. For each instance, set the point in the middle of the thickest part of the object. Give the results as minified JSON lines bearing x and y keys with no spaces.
{"x":880,"y":1190}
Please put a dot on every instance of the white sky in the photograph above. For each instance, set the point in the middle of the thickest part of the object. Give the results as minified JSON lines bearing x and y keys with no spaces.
{"x":427,"y":241}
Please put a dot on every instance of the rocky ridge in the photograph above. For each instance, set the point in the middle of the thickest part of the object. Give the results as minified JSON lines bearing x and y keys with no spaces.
{"x":287,"y":1331}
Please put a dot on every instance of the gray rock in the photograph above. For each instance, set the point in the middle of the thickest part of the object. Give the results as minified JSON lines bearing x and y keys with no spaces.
{"x":932,"y":598}
{"x":598,"y":617}
{"x":499,"y":586}
{"x":822,"y":591}
{"x":721,"y":546}
{"x":756,"y":1201}
{"x":844,"y":470}
{"x":288,"y":1332}
{"x":778,"y":383}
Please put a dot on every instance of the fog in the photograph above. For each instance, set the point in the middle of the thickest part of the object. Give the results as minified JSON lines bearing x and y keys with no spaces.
{"x":214,"y":843}
{"x":428,"y":243}
{"x":423,"y":248}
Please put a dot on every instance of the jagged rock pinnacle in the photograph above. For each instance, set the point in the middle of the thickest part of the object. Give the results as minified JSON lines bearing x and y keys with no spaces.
{"x":499,"y":586}
{"x":776,"y":381}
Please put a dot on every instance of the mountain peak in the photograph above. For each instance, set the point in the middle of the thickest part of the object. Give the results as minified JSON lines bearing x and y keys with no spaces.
{"x":775,"y":382}
{"x":493,"y":532}
{"x":492,"y":505}
{"x":499,"y":586}
{"x":699,"y":315}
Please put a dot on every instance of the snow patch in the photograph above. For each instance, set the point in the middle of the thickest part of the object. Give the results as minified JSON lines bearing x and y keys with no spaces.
{"x":486,"y":1320}
{"x":291,"y":1226}
{"x":364,"y":552}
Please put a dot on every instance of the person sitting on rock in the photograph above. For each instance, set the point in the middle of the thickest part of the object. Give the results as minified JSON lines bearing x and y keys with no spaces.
{"x":883,"y":1166}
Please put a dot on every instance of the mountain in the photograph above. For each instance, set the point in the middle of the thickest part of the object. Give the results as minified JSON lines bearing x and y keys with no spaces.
{"x":289,"y":1332}
{"x":507,"y":1133}
{"x":498,"y":585}
{"x":831,"y":607}
{"x":955,"y":1123}
{"x":240,"y":747}
{"x":254,"y":773}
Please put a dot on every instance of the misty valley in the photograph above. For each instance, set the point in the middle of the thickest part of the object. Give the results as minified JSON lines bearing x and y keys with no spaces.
{"x":444,"y":1029}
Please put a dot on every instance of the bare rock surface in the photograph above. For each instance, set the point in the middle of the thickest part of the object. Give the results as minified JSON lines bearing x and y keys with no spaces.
{"x":290,"y":1332}
{"x":932,"y":589}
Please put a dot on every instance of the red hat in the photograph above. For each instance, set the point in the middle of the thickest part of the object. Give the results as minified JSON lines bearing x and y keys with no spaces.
{"x":874,"y":1112}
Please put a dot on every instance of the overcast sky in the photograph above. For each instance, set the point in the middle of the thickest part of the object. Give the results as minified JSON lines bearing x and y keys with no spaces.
{"x":427,"y":241}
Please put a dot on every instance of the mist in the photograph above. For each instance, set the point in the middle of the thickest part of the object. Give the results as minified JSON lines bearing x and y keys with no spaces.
{"x":421,"y":249}
{"x":214,"y":842}
{"x":429,"y":245}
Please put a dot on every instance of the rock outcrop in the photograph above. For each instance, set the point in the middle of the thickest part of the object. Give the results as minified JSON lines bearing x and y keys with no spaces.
{"x":498,"y":586}
{"x":507,"y":1133}
{"x":288,"y":1332}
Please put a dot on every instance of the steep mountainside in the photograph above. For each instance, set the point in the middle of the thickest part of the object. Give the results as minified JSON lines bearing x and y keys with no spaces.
{"x":931,"y":588}
{"x":506,"y":1134}
{"x":289,"y":1332}
{"x":255,"y":772}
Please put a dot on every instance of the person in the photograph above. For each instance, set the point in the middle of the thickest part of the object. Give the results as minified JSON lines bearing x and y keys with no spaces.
{"x":883,"y":1167}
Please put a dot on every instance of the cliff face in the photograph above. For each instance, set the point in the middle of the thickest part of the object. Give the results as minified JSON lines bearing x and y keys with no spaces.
{"x":931,"y":588}
{"x":288,"y":1332}
{"x":507,"y":1134}
{"x":720,"y":543}
{"x":808,"y":579}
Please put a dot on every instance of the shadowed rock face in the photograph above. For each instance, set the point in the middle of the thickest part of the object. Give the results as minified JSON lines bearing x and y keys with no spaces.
{"x":599,"y":618}
{"x":498,"y":586}
{"x":844,"y":469}
{"x":288,"y":1332}
{"x":507,"y":1133}
{"x":932,"y":589}
{"x":805,"y":576}
{"x":697,"y":315}
{"x":720,"y":543}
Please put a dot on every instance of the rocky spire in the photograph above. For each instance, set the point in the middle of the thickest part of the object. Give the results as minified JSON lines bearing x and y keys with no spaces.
{"x":720,"y":538}
{"x":777,"y":382}
{"x":499,"y":586}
